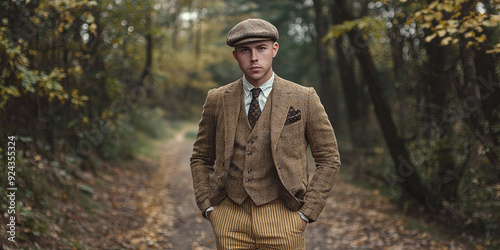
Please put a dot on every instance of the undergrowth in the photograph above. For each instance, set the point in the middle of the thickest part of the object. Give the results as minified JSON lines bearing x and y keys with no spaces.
{"x":47,"y":176}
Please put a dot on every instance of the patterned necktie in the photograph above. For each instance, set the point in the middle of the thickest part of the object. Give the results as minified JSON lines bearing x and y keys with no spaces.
{"x":254,"y":111}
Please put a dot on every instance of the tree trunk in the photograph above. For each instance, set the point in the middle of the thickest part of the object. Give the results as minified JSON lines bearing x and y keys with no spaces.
{"x":326,"y":85}
{"x":408,"y":178}
{"x":489,"y":90}
{"x":149,"y":59}
{"x":149,"y":52}
{"x":470,"y":97}
{"x":438,"y":85}
{"x":472,"y":106}
{"x":349,"y":86}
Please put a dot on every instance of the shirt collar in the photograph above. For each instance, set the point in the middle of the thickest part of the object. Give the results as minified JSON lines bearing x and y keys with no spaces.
{"x":265,"y":88}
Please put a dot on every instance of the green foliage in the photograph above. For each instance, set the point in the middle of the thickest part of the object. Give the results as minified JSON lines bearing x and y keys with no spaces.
{"x":17,"y":79}
{"x":363,"y":23}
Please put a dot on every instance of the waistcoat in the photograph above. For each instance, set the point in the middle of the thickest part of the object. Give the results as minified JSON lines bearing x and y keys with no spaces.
{"x":252,"y":171}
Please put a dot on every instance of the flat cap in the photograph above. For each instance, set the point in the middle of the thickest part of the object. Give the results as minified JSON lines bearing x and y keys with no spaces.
{"x":251,"y":30}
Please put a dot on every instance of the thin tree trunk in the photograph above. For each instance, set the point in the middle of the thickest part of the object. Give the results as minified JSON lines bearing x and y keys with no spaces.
{"x":438,"y":82}
{"x":489,"y":90}
{"x":472,"y":106}
{"x":471,"y":99}
{"x":326,"y":84}
{"x":349,"y":86}
{"x":149,"y":59}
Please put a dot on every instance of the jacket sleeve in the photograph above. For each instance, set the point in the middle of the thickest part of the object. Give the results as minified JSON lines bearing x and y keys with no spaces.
{"x":324,"y":149}
{"x":203,"y":158}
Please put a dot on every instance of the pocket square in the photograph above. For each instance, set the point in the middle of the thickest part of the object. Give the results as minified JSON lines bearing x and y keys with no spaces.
{"x":293,"y":115}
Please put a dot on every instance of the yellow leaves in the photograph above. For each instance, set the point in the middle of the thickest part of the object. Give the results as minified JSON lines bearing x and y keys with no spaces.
{"x":106,"y":114}
{"x":430,"y":37}
{"x":495,"y":50}
{"x":492,"y":21}
{"x":66,"y":12}
{"x":89,"y":18}
{"x":76,"y":70}
{"x":446,"y":20}
{"x":400,"y":222}
{"x":92,"y":3}
{"x":80,"y":4}
{"x":470,"y":34}
{"x":428,"y":18}
{"x":446,"y":41}
{"x":36,"y":20}
{"x":9,"y":90}
{"x":362,"y":23}
{"x":433,"y":5}
{"x":495,"y":18}
{"x":497,"y":189}
{"x":438,"y":16}
{"x":33,"y":52}
{"x":78,"y":100}
{"x":451,"y":30}
{"x":93,"y":28}
{"x":448,"y":7}
{"x":48,"y":86}
{"x":426,"y":25}
{"x":489,"y":23}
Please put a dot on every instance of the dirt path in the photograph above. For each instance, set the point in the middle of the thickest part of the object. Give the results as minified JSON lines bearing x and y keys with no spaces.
{"x":157,"y":210}
{"x":188,"y":230}
{"x":173,"y":219}
{"x":354,"y":218}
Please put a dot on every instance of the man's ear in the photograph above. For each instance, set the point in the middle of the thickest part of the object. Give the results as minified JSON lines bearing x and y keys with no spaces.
{"x":235,"y":55}
{"x":276,"y":47}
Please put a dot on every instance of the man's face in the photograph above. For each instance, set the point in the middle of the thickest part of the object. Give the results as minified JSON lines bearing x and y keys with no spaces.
{"x":256,"y":60}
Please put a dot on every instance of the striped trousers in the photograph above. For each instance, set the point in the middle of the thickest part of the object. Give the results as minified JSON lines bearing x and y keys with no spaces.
{"x":247,"y":226}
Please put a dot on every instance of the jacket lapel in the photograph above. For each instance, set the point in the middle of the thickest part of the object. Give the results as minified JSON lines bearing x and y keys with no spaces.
{"x":231,"y":106}
{"x":281,"y":102}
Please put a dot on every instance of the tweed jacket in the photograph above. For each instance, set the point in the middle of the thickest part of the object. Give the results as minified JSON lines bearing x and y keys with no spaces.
{"x":298,"y":120}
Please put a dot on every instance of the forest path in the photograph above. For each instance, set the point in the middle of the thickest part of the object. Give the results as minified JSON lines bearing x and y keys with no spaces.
{"x":163,"y":213}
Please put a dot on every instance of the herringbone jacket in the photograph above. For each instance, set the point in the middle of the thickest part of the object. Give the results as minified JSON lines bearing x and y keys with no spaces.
{"x":298,"y":120}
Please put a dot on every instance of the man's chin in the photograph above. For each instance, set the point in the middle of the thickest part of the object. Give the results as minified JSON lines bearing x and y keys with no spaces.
{"x":253,"y":77}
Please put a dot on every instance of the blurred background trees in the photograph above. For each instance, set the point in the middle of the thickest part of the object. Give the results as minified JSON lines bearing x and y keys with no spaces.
{"x":411,"y":87}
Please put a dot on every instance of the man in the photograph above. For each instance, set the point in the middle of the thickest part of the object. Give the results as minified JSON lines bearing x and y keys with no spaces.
{"x":249,"y":162}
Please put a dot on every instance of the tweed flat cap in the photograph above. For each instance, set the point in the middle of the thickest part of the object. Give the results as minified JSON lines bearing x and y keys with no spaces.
{"x":251,"y":30}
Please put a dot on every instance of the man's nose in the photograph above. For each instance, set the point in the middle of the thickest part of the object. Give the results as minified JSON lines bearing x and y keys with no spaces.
{"x":253,"y":56}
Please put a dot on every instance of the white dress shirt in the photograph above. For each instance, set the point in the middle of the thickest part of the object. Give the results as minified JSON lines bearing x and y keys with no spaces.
{"x":264,"y":94}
